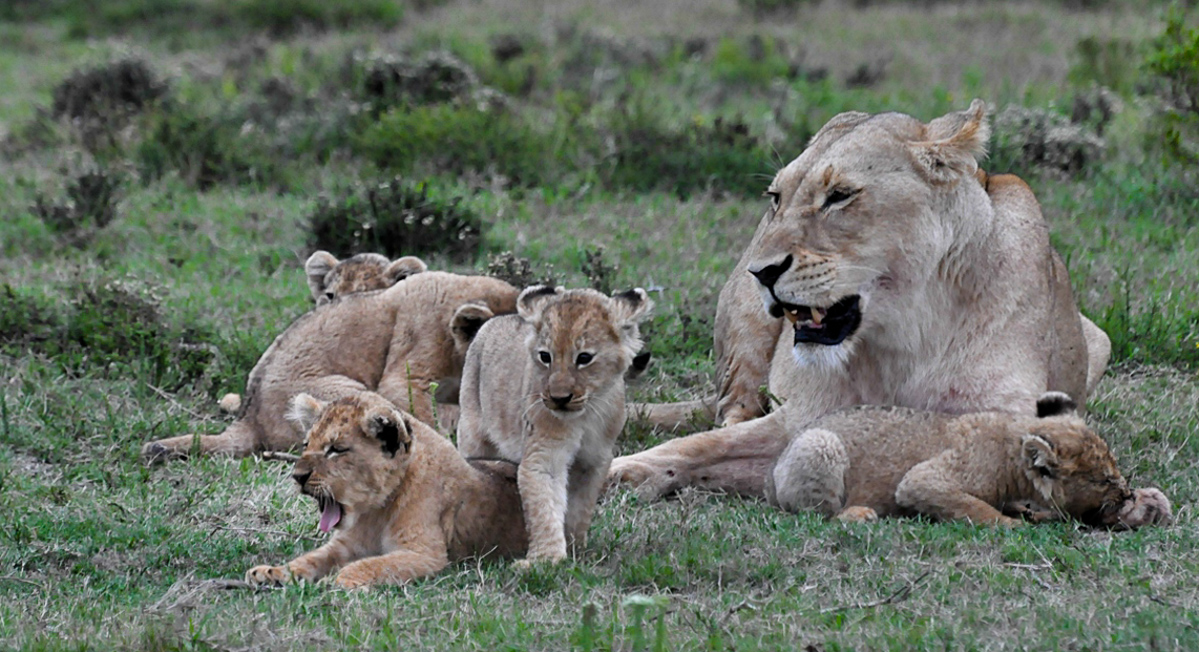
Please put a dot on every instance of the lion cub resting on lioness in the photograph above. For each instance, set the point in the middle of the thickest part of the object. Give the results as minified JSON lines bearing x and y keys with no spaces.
{"x":545,"y":388}
{"x":865,"y":462}
{"x":397,"y":496}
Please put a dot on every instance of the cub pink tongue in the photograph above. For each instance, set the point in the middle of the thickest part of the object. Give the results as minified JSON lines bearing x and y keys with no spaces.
{"x":330,"y":516}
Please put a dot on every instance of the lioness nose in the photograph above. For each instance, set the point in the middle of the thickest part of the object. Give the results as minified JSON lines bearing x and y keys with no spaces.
{"x":769,"y":275}
{"x":301,"y":477}
{"x":561,"y":401}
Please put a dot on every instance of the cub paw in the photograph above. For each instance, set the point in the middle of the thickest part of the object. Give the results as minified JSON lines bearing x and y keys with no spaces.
{"x":857,"y":514}
{"x":268,"y":576}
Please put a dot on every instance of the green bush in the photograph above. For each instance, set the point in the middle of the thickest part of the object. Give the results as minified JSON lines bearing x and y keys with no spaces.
{"x":108,"y":91}
{"x":286,"y":16}
{"x":90,"y":205}
{"x":1174,"y":60}
{"x":458,"y":140}
{"x":206,"y":150}
{"x":395,"y":217}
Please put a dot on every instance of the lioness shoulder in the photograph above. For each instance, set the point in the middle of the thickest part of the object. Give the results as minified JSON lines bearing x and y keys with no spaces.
{"x":397,"y":497}
{"x":866,"y":462}
{"x":545,"y":388}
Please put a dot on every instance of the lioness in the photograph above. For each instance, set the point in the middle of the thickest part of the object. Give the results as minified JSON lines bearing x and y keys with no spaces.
{"x":546,"y":388}
{"x":907,"y":277}
{"x":330,"y":278}
{"x":865,"y":462}
{"x":397,"y":341}
{"x":399,"y":499}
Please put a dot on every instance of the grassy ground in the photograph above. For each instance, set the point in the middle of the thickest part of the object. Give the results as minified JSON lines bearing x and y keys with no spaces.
{"x":152,"y":247}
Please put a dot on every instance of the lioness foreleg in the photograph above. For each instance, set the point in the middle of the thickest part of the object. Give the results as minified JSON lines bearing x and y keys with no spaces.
{"x":928,"y":488}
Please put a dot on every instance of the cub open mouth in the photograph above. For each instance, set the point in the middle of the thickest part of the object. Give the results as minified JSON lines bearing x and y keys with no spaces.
{"x":829,"y":326}
{"x":330,"y":513}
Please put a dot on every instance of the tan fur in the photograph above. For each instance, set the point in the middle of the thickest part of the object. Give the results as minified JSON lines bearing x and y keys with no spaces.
{"x":527,"y":396}
{"x":964,"y":305}
{"x":408,"y":503}
{"x":397,"y":342}
{"x":330,"y":278}
{"x":867,"y":462}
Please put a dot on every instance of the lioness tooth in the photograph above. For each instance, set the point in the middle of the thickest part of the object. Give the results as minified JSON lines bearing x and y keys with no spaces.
{"x":817,"y":315}
{"x":792,"y":315}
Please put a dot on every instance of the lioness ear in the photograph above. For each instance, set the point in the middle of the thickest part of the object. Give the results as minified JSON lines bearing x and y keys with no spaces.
{"x":954,"y":143}
{"x":640,"y":364}
{"x":1052,"y":404}
{"x":319,"y":264}
{"x":467,"y":320}
{"x":1039,"y":455}
{"x":304,"y":410}
{"x":532,"y":301}
{"x":391,"y":428}
{"x":402,"y":268}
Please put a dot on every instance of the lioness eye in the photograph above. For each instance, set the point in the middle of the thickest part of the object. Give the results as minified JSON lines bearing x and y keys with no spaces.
{"x":775,"y":197}
{"x":837,"y":195}
{"x":544,"y":357}
{"x":584,"y":358}
{"x":329,"y":296}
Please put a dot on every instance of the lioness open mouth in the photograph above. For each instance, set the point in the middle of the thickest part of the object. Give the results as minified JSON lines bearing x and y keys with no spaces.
{"x":330,"y":513}
{"x":828,"y":326}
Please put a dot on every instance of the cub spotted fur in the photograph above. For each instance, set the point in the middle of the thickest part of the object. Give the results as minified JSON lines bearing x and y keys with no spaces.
{"x":400,"y":501}
{"x":546,"y":388}
{"x":865,"y":462}
{"x":397,"y":342}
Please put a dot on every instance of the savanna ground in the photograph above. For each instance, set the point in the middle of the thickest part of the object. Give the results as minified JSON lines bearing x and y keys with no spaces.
{"x":167,"y":165}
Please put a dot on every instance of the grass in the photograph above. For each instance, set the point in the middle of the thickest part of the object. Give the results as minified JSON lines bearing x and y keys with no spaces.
{"x":645,"y":130}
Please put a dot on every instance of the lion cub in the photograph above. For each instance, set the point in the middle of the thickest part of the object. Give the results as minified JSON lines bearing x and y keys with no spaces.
{"x":865,"y":462}
{"x":330,"y":278}
{"x":400,"y":500}
{"x":545,"y":388}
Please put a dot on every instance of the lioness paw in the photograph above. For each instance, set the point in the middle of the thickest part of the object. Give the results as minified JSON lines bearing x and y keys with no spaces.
{"x":650,"y":482}
{"x":268,"y":576}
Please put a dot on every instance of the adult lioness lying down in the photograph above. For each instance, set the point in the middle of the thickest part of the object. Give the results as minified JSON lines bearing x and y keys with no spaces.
{"x":864,"y":462}
{"x":893,"y":272}
{"x":396,"y":342}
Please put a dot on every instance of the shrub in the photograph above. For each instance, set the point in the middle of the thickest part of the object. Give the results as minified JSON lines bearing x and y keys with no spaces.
{"x":109,"y":91}
{"x":459,"y":140}
{"x":1174,"y":60}
{"x":90,"y":205}
{"x":395,"y":217}
{"x":600,"y":274}
{"x":437,"y":77}
{"x":207,"y":149}
{"x":1039,"y":139}
{"x":287,"y":16}
{"x":518,"y":271}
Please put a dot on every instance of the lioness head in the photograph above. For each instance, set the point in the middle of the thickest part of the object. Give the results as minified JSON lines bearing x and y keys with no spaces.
{"x":356,"y":454}
{"x":857,"y":224}
{"x":329,"y":278}
{"x":582,"y":341}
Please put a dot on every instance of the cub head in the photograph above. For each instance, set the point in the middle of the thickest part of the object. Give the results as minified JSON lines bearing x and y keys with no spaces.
{"x":1075,"y":472}
{"x":860,"y":221}
{"x":356,"y":454}
{"x":582,"y":342}
{"x":329,"y":278}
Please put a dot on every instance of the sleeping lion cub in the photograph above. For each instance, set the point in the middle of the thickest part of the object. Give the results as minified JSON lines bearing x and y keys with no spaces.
{"x":864,"y":462}
{"x":546,"y":388}
{"x":399,"y":499}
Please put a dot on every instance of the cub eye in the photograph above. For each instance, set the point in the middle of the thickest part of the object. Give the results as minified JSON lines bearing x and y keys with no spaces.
{"x":838,"y":195}
{"x":336,"y":450}
{"x":544,"y":357}
{"x":584,"y":359}
{"x":329,"y":296}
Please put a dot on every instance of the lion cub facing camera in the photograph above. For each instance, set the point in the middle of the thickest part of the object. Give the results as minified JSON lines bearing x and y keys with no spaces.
{"x":546,"y":388}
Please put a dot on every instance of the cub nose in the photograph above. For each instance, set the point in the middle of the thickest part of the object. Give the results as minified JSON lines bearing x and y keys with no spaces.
{"x":769,"y":275}
{"x":561,"y":402}
{"x":301,"y":477}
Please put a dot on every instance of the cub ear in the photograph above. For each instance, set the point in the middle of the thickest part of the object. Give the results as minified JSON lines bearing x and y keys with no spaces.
{"x":954,"y":143}
{"x":402,"y":268}
{"x":467,"y":320}
{"x":391,"y":428}
{"x":319,"y":264}
{"x":1053,"y":404}
{"x":304,"y":410}
{"x":1039,"y":455}
{"x":629,"y":309}
{"x":532,"y":301}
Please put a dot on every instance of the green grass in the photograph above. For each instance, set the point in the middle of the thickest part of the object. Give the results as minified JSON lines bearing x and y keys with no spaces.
{"x":644,"y":129}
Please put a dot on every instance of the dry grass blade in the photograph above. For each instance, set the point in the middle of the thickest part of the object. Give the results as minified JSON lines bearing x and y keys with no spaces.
{"x":900,"y":594}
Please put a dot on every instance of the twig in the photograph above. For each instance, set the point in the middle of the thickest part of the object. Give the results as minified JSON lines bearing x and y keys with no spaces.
{"x":10,"y":578}
{"x":899,"y":595}
{"x":1162,"y":601}
{"x":277,"y":456}
{"x":163,"y":393}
